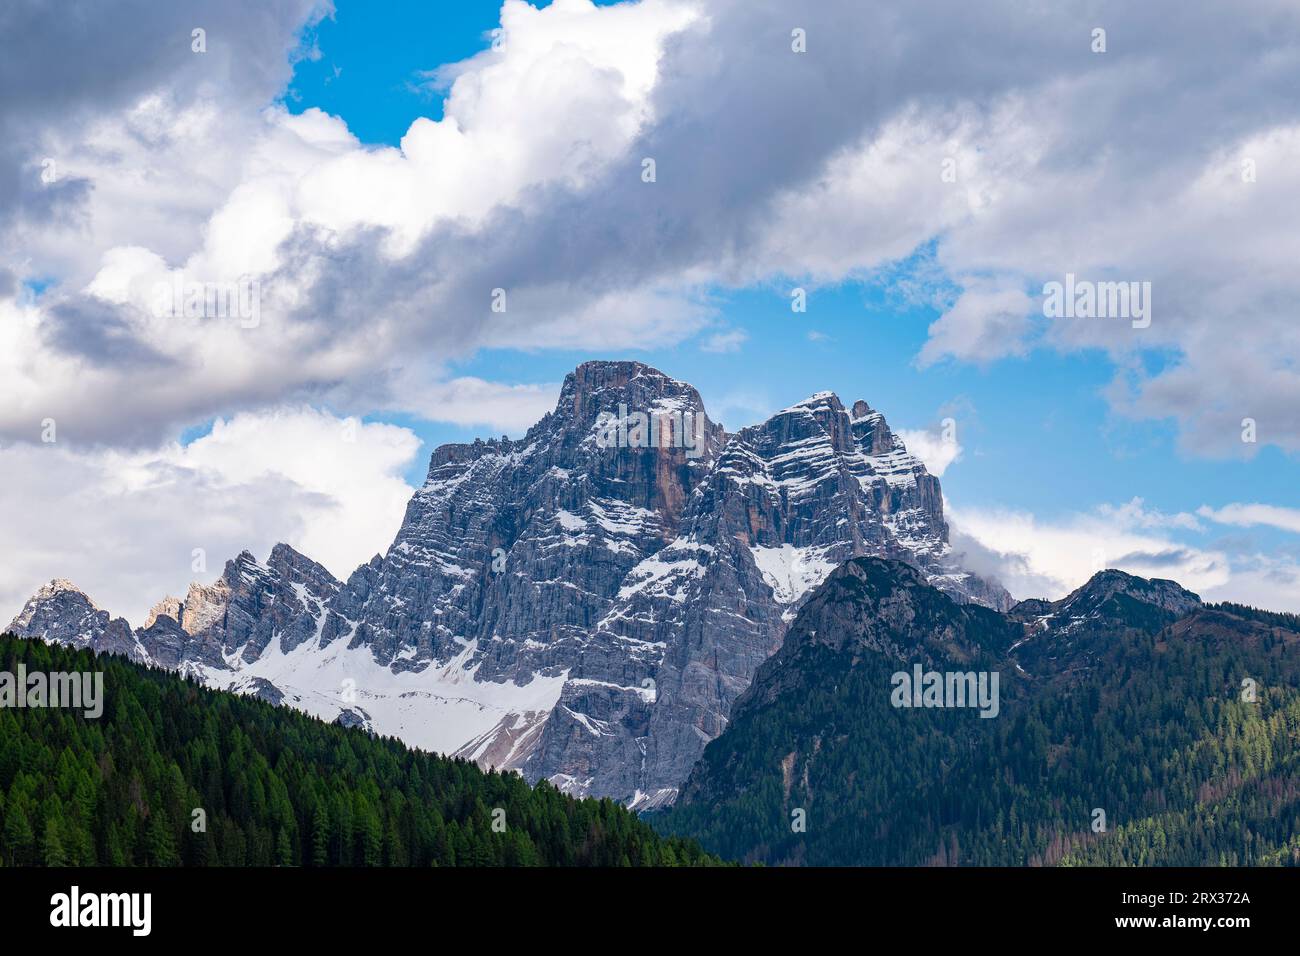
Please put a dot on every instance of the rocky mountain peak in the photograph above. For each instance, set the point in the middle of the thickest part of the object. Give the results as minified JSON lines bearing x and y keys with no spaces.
{"x":872,"y":580}
{"x":821,"y":413}
{"x":867,"y":598}
{"x":1067,"y":635}
{"x":1111,"y":595}
{"x":1159,"y":592}
{"x":59,"y":586}
{"x":60,"y":611}
{"x":59,"y":596}
{"x":593,"y":387}
{"x":583,"y":604}
{"x":167,"y":607}
{"x":294,"y":567}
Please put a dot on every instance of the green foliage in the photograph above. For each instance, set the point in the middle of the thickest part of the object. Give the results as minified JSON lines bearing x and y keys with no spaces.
{"x":1148,"y":724}
{"x":278,"y":788}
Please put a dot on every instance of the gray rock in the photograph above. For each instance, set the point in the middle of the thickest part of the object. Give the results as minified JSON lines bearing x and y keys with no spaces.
{"x":350,"y":717}
{"x":644,"y":572}
{"x":62,"y":613}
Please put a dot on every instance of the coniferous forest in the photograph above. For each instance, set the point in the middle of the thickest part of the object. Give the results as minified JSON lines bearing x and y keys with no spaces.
{"x":173,"y":774}
{"x":1143,"y":749}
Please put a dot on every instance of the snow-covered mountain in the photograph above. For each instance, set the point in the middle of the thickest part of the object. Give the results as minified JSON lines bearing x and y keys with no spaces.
{"x":583,"y":604}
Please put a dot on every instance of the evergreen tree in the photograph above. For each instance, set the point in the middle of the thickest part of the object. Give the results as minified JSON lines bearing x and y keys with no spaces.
{"x":275,"y":787}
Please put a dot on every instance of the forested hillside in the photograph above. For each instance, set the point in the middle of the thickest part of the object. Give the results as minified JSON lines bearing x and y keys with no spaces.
{"x":272,"y":786}
{"x":1131,"y":741}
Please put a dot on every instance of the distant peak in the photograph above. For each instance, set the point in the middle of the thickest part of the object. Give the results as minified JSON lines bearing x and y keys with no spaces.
{"x":63,"y":586}
{"x":1111,"y":576}
{"x":285,"y":555}
{"x":242,"y":566}
{"x":167,"y":607}
{"x":598,"y":388}
{"x":1115,"y":578}
{"x":617,"y":365}
{"x":293,"y":565}
{"x":1160,"y":592}
{"x":816,"y":400}
{"x":591,"y":377}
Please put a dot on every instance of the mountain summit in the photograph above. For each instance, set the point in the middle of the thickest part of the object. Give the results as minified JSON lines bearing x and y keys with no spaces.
{"x":583,"y":604}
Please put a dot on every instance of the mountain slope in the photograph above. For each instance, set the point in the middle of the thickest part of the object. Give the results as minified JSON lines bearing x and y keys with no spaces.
{"x":584,"y":604}
{"x":1137,"y":712}
{"x":271,"y":787}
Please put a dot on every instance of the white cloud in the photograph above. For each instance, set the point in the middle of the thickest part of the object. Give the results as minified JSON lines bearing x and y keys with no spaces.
{"x":565,"y":94}
{"x":123,"y":525}
{"x":1136,"y":514}
{"x":512,"y":409}
{"x":377,"y":264}
{"x":338,"y":234}
{"x":729,"y":341}
{"x":1115,"y":167}
{"x":1252,"y":515}
{"x":987,"y":321}
{"x":935,"y":452}
{"x":1033,"y":557}
{"x":1051,"y":558}
{"x":1261,"y":580}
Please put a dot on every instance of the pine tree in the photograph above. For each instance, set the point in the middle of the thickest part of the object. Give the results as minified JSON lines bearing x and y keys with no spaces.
{"x":277,"y":788}
{"x":52,"y":852}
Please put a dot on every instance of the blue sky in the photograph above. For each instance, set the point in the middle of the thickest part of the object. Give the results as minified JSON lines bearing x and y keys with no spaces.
{"x":1036,"y":431}
{"x":373,"y":57}
{"x":314,"y":151}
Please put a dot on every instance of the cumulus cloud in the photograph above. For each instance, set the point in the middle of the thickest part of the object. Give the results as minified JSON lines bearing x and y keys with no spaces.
{"x":935,"y":451}
{"x":990,"y":134}
{"x":124,"y":525}
{"x":1261,"y":580}
{"x":1035,"y":557}
{"x":1051,"y":558}
{"x":987,"y":321}
{"x":1252,"y":515}
{"x":466,"y":400}
{"x":365,"y":258}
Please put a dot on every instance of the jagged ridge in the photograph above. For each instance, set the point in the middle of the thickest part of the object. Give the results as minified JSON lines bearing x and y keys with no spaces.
{"x":581,"y":613}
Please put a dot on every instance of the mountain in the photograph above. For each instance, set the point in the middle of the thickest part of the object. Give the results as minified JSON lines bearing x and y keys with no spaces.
{"x":60,"y":613}
{"x":173,"y":774}
{"x":1132,"y":725}
{"x":584,"y":604}
{"x":1066,"y":636}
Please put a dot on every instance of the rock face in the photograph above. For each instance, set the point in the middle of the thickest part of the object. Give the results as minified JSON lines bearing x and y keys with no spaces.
{"x":61,"y":612}
{"x":583,"y":604}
